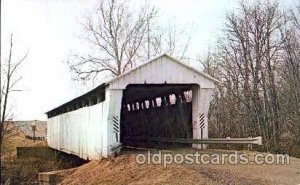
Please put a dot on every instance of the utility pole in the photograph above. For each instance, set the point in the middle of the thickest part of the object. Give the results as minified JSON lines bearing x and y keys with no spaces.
{"x":33,"y":128}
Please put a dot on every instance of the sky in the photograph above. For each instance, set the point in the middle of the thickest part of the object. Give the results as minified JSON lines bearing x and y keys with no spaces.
{"x":51,"y":29}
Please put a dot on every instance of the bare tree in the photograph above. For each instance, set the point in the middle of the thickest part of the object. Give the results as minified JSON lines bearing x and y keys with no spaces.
{"x":9,"y":79}
{"x":117,"y":35}
{"x":120,"y":38}
{"x":250,"y":61}
{"x":170,"y":38}
{"x":289,"y":80}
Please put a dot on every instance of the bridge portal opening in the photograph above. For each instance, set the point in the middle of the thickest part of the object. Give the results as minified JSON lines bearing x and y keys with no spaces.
{"x":153,"y":111}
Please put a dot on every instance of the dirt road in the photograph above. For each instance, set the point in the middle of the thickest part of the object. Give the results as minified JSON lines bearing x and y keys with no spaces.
{"x":125,"y":170}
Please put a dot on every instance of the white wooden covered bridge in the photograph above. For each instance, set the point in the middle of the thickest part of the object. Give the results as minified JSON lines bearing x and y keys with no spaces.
{"x":161,"y":98}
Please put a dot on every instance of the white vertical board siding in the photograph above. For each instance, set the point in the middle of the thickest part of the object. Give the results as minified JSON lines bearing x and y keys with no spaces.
{"x":204,"y":102}
{"x":201,"y":101}
{"x":81,"y":132}
{"x":195,"y":115}
{"x":159,"y":71}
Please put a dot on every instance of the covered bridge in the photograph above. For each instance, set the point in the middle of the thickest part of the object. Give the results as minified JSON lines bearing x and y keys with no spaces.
{"x":161,"y":98}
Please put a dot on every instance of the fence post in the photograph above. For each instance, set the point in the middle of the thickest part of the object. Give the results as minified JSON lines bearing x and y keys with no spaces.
{"x":227,"y":145}
{"x":250,"y":145}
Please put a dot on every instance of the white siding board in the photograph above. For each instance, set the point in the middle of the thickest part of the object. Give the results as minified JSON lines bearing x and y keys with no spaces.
{"x":163,"y":68}
{"x":114,"y":110}
{"x":170,"y":72}
{"x":141,"y":76}
{"x":153,"y":73}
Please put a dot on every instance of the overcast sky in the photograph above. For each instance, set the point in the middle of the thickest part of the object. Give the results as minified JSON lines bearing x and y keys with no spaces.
{"x":51,"y":29}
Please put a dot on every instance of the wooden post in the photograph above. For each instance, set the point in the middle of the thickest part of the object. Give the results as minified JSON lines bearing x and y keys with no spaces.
{"x":47,"y":178}
{"x":113,"y":121}
{"x":200,"y":101}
